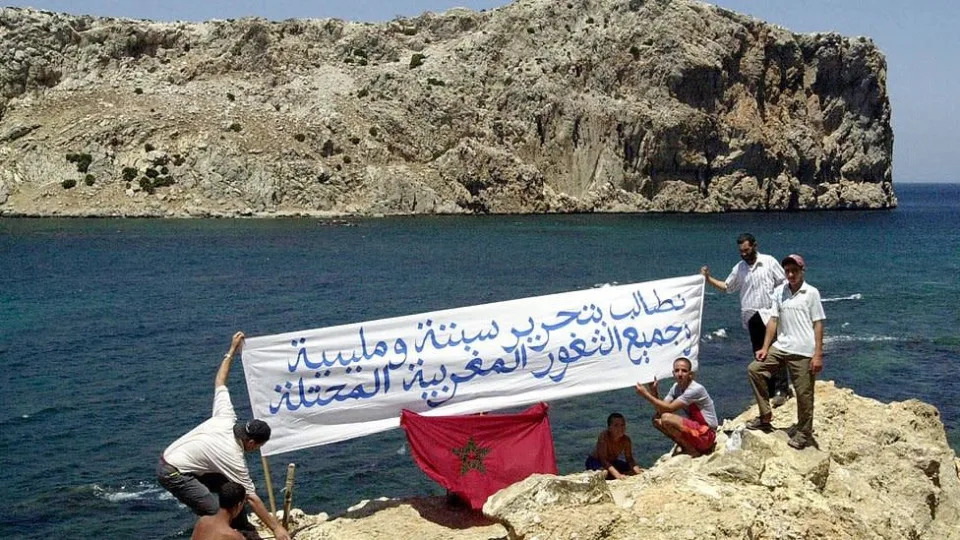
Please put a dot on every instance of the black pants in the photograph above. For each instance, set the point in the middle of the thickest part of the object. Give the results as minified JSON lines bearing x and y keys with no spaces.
{"x":778,"y":383}
{"x":201,"y":494}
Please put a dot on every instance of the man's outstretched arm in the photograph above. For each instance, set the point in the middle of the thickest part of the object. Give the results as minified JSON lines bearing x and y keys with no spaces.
{"x":721,"y":285}
{"x":235,"y":346}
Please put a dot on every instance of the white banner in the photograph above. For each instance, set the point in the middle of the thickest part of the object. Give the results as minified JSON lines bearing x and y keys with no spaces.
{"x":326,"y":385}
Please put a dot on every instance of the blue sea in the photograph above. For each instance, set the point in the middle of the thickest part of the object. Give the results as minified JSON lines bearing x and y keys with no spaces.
{"x":111,"y":331}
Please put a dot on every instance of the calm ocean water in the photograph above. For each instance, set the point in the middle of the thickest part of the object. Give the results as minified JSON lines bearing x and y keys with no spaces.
{"x":111,"y":331}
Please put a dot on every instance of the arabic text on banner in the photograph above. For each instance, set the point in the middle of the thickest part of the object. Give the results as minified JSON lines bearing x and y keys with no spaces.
{"x":326,"y":385}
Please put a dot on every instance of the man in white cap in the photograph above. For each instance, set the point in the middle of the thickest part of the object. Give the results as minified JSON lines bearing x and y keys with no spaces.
{"x":794,"y":338}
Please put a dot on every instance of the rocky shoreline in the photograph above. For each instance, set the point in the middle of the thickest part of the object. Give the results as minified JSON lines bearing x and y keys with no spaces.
{"x":882,"y":471}
{"x":535,"y":107}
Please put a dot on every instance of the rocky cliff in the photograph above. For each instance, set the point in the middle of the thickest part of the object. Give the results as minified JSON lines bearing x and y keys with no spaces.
{"x":882,"y":471}
{"x":539,"y":106}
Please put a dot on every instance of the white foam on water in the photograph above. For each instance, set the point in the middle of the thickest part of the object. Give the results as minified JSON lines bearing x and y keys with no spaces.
{"x":402,"y":450}
{"x":856,"y":296}
{"x":718,"y":334}
{"x":843,"y":338}
{"x":142,"y":491}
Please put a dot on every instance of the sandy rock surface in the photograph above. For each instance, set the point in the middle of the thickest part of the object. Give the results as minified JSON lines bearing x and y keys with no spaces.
{"x":880,"y":471}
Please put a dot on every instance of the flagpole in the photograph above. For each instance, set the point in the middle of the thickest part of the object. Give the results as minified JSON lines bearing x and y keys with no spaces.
{"x":288,"y":494}
{"x":266,"y":475}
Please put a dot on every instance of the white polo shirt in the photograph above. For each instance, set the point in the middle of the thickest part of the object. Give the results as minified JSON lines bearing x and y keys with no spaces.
{"x":795,"y":315}
{"x":756,"y":284}
{"x":211,"y":447}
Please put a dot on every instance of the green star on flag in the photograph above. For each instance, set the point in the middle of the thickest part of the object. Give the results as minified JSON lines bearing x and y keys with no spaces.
{"x":471,"y":457}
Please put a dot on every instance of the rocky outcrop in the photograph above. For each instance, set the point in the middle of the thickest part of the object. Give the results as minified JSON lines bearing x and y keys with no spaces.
{"x":881,"y":471}
{"x":538,"y":106}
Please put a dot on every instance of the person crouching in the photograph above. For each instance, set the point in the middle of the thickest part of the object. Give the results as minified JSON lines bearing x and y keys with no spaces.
{"x":695,"y":431}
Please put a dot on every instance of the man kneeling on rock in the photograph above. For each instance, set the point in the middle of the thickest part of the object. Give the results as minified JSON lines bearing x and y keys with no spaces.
{"x":614,"y":451}
{"x":696,"y":431}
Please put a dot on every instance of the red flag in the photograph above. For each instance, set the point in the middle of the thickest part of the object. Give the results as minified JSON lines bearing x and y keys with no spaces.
{"x":475,"y":456}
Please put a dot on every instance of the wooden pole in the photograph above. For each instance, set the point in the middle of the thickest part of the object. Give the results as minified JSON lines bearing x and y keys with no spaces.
{"x":288,"y":494}
{"x":266,"y":476}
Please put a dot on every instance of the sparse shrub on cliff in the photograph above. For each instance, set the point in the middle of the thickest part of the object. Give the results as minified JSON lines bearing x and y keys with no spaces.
{"x":89,"y":179}
{"x":589,"y":20}
{"x":149,"y":147}
{"x":129,"y":173}
{"x":235,"y":127}
{"x":363,"y":93}
{"x":435,"y":82}
{"x":164,"y":170}
{"x":373,"y":131}
{"x":530,"y":30}
{"x":508,"y":81}
{"x":231,"y":97}
{"x":635,"y":52}
{"x":68,"y":183}
{"x":417,"y":60}
{"x":360,"y":52}
{"x":328,"y":149}
{"x":163,"y":181}
{"x":151,"y":173}
{"x":300,"y":137}
{"x":409,"y":30}
{"x":323,"y":177}
{"x":160,"y":161}
{"x":146,"y":184}
{"x":355,"y":140}
{"x":138,"y":91}
{"x":276,"y":107}
{"x":347,"y":160}
{"x":82,"y":161}
{"x":178,"y":160}
{"x":362,"y":62}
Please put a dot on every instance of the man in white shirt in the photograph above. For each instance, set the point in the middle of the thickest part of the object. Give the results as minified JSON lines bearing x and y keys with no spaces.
{"x":794,"y":338}
{"x":755,"y":277}
{"x":197,"y":465}
{"x":694,"y":429}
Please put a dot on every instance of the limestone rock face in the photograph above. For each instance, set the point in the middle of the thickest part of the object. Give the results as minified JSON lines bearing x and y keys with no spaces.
{"x":880,"y":471}
{"x":538,"y":106}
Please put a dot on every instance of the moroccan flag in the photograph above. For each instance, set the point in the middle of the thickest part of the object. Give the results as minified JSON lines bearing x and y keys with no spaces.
{"x":474,"y":456}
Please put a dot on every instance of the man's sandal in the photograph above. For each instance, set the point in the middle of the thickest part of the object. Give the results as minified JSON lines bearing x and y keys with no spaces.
{"x":759,"y":424}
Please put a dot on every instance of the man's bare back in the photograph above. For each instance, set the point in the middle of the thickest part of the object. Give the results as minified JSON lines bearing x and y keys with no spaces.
{"x":214,"y":528}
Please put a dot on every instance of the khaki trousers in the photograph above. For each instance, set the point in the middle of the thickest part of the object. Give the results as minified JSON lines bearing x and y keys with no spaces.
{"x":799,"y":368}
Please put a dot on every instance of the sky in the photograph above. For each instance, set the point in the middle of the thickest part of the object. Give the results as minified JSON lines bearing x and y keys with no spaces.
{"x":920,"y":39}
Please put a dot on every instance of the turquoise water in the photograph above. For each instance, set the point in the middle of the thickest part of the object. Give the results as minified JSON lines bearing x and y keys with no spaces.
{"x":111,"y":331}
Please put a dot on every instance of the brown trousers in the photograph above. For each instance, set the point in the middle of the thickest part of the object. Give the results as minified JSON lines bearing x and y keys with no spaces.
{"x":799,"y":368}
